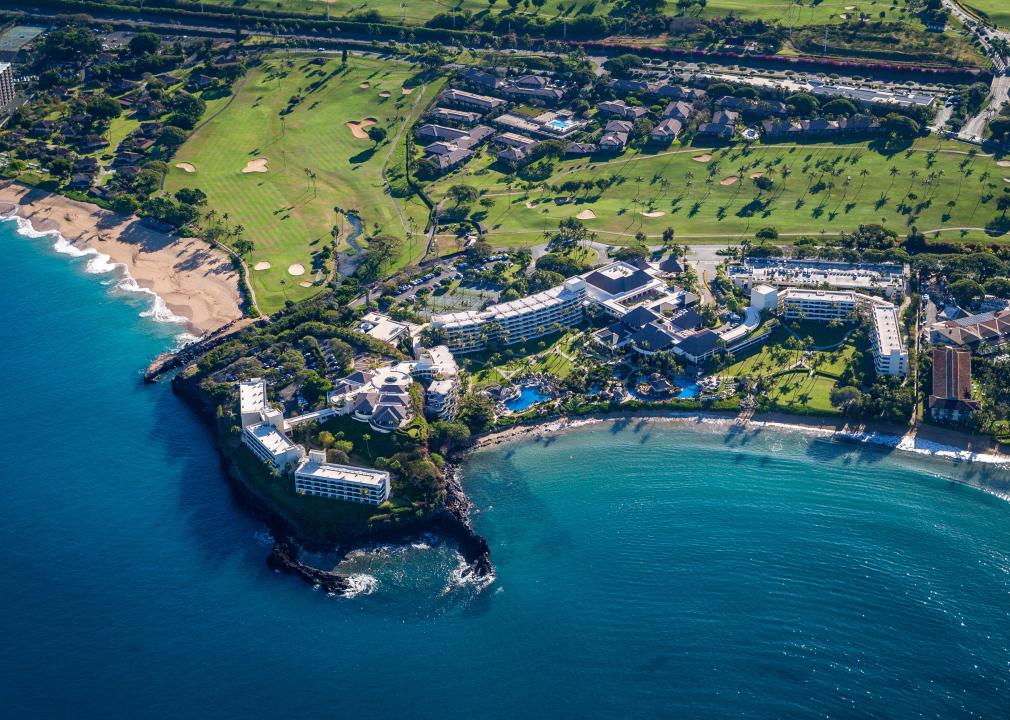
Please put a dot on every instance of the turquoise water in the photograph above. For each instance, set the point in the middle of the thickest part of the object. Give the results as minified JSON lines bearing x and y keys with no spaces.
{"x":644,"y":570}
{"x":529,"y":395}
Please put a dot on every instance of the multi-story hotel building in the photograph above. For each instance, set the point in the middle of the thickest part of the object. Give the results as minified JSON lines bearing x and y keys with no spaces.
{"x":317,"y":477}
{"x":890,"y":355}
{"x":7,"y":92}
{"x":515,"y":321}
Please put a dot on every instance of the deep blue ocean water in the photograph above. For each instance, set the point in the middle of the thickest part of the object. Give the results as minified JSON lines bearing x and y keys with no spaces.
{"x":644,"y":570}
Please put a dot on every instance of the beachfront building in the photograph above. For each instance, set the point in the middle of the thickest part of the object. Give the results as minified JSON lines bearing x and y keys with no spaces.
{"x":887,"y":278}
{"x":890,"y":355}
{"x":515,"y":321}
{"x":349,"y":483}
{"x":951,"y":399}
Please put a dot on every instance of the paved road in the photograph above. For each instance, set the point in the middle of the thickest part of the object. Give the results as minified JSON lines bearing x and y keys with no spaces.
{"x":705,"y":260}
{"x":974,"y":129}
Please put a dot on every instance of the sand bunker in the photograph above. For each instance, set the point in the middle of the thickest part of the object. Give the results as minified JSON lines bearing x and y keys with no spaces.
{"x":850,"y":7}
{"x":385,"y":93}
{"x":257,"y":165}
{"x":187,"y":167}
{"x":296,"y":269}
{"x":586,"y":215}
{"x":365,"y":85}
{"x":530,"y":204}
{"x":262,"y":265}
{"x":360,"y":129}
{"x":729,"y":180}
{"x":1006,"y":180}
{"x":843,"y":16}
{"x":1000,"y":163}
{"x":407,"y":90}
{"x":653,"y":214}
{"x":756,"y":175}
{"x":702,"y":158}
{"x":305,"y":283}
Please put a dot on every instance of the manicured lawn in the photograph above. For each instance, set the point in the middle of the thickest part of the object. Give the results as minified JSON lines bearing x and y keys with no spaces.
{"x":818,"y":188}
{"x":998,"y":11}
{"x":287,"y":214}
{"x":802,"y":392}
{"x":556,"y":359}
{"x":798,"y":14}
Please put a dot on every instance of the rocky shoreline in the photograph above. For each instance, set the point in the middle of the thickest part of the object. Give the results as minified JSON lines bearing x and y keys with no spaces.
{"x":451,"y":522}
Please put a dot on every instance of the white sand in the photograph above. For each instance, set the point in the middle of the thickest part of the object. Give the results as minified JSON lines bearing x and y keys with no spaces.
{"x":702,"y":158}
{"x":259,"y":165}
{"x":531,"y":204}
{"x":731,"y":180}
{"x":1003,"y":163}
{"x":653,"y":214}
{"x":586,"y":215}
{"x":296,"y":269}
{"x":195,"y":280}
{"x":385,"y":94}
{"x":305,"y":283}
{"x":360,"y":129}
{"x":365,"y":85}
{"x":186,"y":167}
{"x":408,"y":90}
{"x":262,"y":265}
{"x":756,"y":175}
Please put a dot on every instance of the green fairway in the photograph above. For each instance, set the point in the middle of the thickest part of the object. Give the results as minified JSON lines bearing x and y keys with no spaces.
{"x":997,"y":11}
{"x":313,"y":162}
{"x":796,"y":14}
{"x":817,"y":188}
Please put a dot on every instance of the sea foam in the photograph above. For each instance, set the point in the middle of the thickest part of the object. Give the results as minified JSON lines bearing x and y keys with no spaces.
{"x":100,"y":263}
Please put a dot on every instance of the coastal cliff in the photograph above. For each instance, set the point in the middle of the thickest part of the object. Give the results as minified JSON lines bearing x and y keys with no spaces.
{"x":292,"y":533}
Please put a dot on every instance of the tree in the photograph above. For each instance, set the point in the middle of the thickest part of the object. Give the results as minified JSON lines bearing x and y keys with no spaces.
{"x":143,"y":43}
{"x":377,"y":134}
{"x":243,"y":246}
{"x":901,"y":127}
{"x":102,"y":107}
{"x":125,"y":204}
{"x":966,"y":291}
{"x":476,"y":412}
{"x":326,"y":439}
{"x":767,"y":234}
{"x":803,"y":104}
{"x":171,"y":136}
{"x":462,"y":194}
{"x":343,"y":56}
{"x":998,"y":286}
{"x":61,"y":167}
{"x":191,"y":196}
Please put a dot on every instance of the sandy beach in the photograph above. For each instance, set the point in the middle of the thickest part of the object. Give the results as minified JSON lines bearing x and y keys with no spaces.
{"x":923,"y":440}
{"x":194,"y":280}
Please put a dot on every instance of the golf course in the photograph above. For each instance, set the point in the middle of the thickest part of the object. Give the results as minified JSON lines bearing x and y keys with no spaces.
{"x":289,"y":156}
{"x":723,"y":193}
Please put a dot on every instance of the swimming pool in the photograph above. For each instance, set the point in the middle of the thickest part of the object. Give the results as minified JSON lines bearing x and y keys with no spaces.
{"x":529,"y":395}
{"x":560,"y":124}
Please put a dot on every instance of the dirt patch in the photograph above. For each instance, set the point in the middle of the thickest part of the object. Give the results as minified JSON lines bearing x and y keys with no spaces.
{"x":408,"y":90}
{"x":365,"y":85}
{"x":259,"y":165}
{"x":1000,"y":163}
{"x":262,"y":265}
{"x":731,"y":180}
{"x":296,"y":269}
{"x":756,"y":175}
{"x":586,"y":215}
{"x":702,"y":158}
{"x":186,"y":167}
{"x":360,"y":129}
{"x":385,"y":94}
{"x":653,"y":214}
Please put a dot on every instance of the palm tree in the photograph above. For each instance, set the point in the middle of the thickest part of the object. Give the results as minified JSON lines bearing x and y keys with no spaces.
{"x":366,"y":437}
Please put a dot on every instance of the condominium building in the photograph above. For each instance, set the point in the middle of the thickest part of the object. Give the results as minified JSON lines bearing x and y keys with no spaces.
{"x":515,"y":321}
{"x":349,"y":483}
{"x":951,"y":399}
{"x":890,"y":355}
{"x":441,"y":398}
{"x":7,"y":92}
{"x":817,"y":305}
{"x":268,"y":442}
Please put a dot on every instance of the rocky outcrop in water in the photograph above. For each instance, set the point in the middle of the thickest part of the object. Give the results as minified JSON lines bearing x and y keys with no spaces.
{"x":284,"y":558}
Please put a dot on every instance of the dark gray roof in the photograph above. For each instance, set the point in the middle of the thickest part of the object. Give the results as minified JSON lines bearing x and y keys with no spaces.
{"x":700,"y":343}
{"x":621,"y":284}
{"x":652,"y":338}
{"x":686,"y":320}
{"x":639,"y":317}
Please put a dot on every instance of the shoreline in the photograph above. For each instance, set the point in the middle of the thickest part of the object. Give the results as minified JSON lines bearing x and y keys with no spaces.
{"x":923,"y":440}
{"x":189,"y":282}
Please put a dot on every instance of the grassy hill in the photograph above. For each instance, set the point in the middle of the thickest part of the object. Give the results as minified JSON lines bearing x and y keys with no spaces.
{"x":286,"y":213}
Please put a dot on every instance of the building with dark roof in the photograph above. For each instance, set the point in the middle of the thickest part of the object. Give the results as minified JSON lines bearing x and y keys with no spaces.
{"x":975,"y":332}
{"x":951,"y":399}
{"x":698,"y":347}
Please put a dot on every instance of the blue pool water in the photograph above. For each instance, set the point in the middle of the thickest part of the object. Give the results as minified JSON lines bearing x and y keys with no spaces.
{"x":644,"y":570}
{"x":529,"y":395}
{"x":560,"y":124}
{"x":688,"y":390}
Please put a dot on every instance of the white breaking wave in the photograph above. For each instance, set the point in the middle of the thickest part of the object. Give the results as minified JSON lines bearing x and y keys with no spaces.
{"x":361,"y":584}
{"x":101,"y":264}
{"x":463,"y":576}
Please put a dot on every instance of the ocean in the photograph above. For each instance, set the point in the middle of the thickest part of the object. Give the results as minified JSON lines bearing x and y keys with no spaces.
{"x":643,"y":569}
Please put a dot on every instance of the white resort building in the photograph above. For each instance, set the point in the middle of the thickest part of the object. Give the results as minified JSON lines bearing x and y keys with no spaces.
{"x":888,"y":278}
{"x":381,"y":396}
{"x":889,"y":352}
{"x":515,"y":321}
{"x":264,"y":433}
{"x":317,"y":477}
